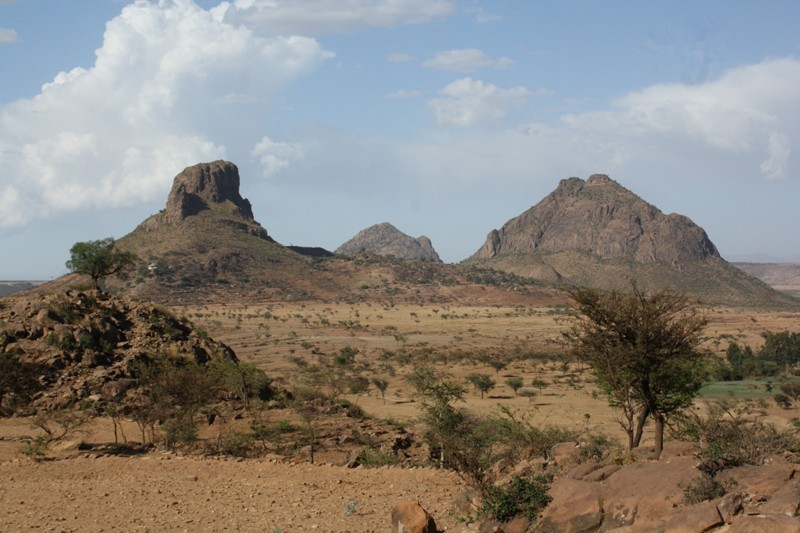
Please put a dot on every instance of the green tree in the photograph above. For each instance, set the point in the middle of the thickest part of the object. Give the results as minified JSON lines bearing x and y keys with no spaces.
{"x":514,"y":383}
{"x":381,"y":384}
{"x":98,"y":259}
{"x":482,"y":382}
{"x":644,"y":349}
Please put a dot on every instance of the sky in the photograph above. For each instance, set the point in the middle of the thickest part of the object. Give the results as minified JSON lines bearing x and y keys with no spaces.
{"x":445,"y":118}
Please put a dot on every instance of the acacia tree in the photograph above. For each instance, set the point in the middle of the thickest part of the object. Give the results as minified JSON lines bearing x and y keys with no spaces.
{"x":644,"y":349}
{"x":98,"y":259}
{"x":482,"y":382}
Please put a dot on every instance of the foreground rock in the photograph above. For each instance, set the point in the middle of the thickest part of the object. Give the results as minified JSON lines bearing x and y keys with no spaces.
{"x":410,"y":517}
{"x":650,"y":496}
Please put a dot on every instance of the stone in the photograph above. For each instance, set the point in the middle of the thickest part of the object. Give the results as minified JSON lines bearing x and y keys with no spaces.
{"x":644,"y":493}
{"x":729,"y":506}
{"x":576,"y":506}
{"x":602,"y":473}
{"x":772,"y":523}
{"x":760,"y":482}
{"x":409,"y":517}
{"x":694,"y":519}
{"x":519,"y":524}
{"x":583,"y":470}
{"x":786,"y":500}
{"x":565,"y":454}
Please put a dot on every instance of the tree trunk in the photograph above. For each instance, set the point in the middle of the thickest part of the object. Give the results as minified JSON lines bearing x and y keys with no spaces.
{"x":637,"y":437}
{"x":659,"y":420}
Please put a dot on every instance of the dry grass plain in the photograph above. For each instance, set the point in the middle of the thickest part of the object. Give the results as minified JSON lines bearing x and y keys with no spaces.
{"x":391,"y":337}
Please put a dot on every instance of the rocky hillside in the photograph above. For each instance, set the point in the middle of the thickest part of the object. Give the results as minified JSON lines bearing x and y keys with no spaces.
{"x":386,"y":240}
{"x":596,"y":232}
{"x":82,"y":346}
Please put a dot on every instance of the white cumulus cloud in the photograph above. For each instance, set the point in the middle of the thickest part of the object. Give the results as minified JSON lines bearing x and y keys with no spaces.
{"x":319,"y":17}
{"x":275,"y":156}
{"x":466,"y":60}
{"x":399,"y":57}
{"x":775,"y":166}
{"x":8,"y":35}
{"x":169,"y":85}
{"x":467,"y":102}
{"x":403,"y":94}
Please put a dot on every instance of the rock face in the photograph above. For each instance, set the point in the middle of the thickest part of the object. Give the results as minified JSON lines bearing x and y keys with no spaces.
{"x":601,"y":217}
{"x":200,"y":185}
{"x":384,"y":239}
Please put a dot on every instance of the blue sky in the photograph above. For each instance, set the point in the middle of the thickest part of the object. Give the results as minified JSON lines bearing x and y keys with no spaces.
{"x":444,"y":117}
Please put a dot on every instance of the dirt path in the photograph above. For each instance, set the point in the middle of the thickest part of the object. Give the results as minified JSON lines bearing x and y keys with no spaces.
{"x":157,"y":493}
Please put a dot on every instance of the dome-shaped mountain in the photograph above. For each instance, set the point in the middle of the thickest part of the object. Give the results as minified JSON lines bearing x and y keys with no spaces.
{"x":384,"y":239}
{"x":601,"y":217}
{"x":598,"y":233}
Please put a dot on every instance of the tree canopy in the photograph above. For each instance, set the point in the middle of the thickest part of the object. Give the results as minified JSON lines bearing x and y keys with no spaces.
{"x":98,"y":259}
{"x":644,"y":349}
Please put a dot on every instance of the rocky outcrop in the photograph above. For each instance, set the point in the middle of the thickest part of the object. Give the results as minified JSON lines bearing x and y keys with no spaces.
{"x":83,"y":346}
{"x":386,"y":240}
{"x":199,"y":186}
{"x":601,"y":217}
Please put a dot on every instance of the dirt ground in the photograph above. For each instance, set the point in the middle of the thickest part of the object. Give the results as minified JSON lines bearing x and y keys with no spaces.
{"x":159,"y":493}
{"x":92,"y":492}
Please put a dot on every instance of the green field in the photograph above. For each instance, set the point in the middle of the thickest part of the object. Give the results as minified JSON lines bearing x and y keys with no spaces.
{"x":751,"y":388}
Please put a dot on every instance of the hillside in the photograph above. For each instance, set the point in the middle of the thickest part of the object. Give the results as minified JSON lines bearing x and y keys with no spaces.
{"x":784,"y":277}
{"x":596,"y":232}
{"x":384,"y":239}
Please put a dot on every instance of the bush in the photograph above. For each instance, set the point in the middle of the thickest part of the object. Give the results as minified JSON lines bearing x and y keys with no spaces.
{"x":783,"y":401}
{"x":734,"y":434}
{"x":702,"y":489}
{"x":521,"y":497}
{"x":236,"y":444}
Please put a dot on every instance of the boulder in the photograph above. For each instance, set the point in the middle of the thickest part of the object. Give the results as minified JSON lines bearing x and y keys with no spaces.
{"x":760,"y":482}
{"x":772,"y":523}
{"x":576,"y":506}
{"x":694,"y":519}
{"x":409,"y":517}
{"x":786,"y":500}
{"x":644,"y":493}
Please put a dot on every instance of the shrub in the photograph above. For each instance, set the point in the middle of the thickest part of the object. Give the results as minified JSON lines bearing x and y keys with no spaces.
{"x":734,"y":434}
{"x":702,"y":489}
{"x":236,"y":444}
{"x":520,"y":497}
{"x":783,"y":401}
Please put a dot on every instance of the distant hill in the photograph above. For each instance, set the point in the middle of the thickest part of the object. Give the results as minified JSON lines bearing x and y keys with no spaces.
{"x":386,"y":240}
{"x":784,"y":277}
{"x":206,"y":240}
{"x":205,"y":246}
{"x":598,"y":233}
{"x":10,"y":287}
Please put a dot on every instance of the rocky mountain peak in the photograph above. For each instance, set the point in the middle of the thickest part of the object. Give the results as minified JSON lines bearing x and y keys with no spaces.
{"x":200,"y":186}
{"x":385,"y":239}
{"x":601,"y":217}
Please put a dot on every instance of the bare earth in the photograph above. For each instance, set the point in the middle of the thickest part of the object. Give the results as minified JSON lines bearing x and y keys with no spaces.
{"x":158,"y":493}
